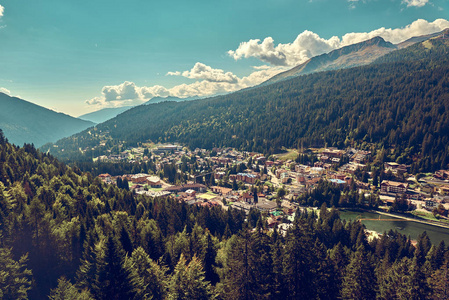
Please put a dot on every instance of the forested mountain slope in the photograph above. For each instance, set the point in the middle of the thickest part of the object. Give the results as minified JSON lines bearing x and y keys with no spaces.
{"x":68,"y":235}
{"x":25,"y":122}
{"x":400,"y":102}
{"x":359,"y":54}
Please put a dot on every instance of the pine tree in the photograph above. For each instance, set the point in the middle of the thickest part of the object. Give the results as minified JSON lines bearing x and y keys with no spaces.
{"x":188,"y":281}
{"x":66,"y":290}
{"x":126,"y":242}
{"x":152,"y":278}
{"x":15,"y":278}
{"x":439,"y":282}
{"x":115,"y":280}
{"x":360,"y":280}
{"x":208,"y":258}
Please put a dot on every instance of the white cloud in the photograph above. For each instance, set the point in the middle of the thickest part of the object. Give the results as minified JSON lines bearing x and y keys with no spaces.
{"x":212,"y":81}
{"x":202,"y":71}
{"x":416,"y":3}
{"x":215,"y":81}
{"x":5,"y":91}
{"x":309,"y":44}
{"x":2,"y":10}
{"x":122,"y":92}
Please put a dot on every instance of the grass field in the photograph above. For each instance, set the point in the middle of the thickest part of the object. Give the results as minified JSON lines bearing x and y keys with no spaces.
{"x":207,"y":196}
{"x":429,"y":216}
{"x":291,"y":154}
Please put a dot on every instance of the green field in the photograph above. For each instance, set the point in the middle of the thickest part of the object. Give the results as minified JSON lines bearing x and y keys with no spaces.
{"x":207,"y":196}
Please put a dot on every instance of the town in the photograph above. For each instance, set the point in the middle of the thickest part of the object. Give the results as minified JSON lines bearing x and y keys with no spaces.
{"x":276,"y":186}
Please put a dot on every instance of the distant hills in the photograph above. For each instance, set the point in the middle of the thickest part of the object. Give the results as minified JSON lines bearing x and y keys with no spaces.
{"x":169,"y":98}
{"x":400,"y":102}
{"x":25,"y":122}
{"x":104,"y":114}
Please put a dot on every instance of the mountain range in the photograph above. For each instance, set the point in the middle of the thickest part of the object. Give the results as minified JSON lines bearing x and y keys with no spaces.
{"x":38,"y":125}
{"x":104,"y":114}
{"x":25,"y":122}
{"x":359,"y":54}
{"x":400,"y":101}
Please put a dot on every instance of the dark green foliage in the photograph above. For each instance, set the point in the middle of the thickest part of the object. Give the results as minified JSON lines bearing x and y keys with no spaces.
{"x":115,"y":279}
{"x":66,"y":290}
{"x":360,"y":281}
{"x":86,"y":239}
{"x":399,"y":103}
{"x":14,"y":276}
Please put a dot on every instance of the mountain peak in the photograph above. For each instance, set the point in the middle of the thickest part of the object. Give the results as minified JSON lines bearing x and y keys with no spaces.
{"x":354,"y":55}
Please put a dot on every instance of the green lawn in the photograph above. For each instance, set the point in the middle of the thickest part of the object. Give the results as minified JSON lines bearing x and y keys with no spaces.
{"x":207,"y":196}
{"x":428,"y":216}
{"x":291,"y":154}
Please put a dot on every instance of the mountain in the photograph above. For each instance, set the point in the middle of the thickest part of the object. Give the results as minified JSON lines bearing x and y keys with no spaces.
{"x":347,"y":57}
{"x":422,"y":38}
{"x":104,"y":114}
{"x":25,"y":122}
{"x":169,"y":98}
{"x":399,"y":102}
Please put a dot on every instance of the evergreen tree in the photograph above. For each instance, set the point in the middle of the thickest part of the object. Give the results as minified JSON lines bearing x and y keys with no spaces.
{"x":188,"y":281}
{"x":15,"y":278}
{"x":115,"y":280}
{"x":152,"y":278}
{"x":360,"y":280}
{"x":439,"y":282}
{"x":66,"y":290}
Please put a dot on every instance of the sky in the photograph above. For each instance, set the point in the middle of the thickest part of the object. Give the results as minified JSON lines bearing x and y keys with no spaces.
{"x":80,"y":56}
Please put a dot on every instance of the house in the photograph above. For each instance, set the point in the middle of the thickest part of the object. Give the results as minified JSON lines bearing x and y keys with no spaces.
{"x":395,"y":167}
{"x":444,"y":190}
{"x":246,"y":177}
{"x":338,"y":182}
{"x":242,"y":206}
{"x":191,"y":193}
{"x":427,"y":188}
{"x":393,"y":187}
{"x":137,"y":188}
{"x":430,"y":202}
{"x":442,"y":174}
{"x":221,"y":190}
{"x":246,"y":197}
{"x":219,"y":175}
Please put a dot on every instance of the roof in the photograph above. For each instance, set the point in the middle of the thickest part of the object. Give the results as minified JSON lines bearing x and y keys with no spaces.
{"x":394,"y":183}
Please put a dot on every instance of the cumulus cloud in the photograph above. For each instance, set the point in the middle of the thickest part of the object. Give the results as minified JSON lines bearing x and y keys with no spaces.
{"x":417,"y":3}
{"x":2,"y":10}
{"x":212,"y":82}
{"x":122,"y":92}
{"x":309,"y":44}
{"x":202,"y":71}
{"x":5,"y":91}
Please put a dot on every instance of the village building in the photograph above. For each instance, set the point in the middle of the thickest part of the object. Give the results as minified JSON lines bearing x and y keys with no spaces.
{"x":393,"y":187}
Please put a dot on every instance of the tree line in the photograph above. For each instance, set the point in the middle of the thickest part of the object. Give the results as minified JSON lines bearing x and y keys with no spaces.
{"x":399,"y":103}
{"x":67,"y":235}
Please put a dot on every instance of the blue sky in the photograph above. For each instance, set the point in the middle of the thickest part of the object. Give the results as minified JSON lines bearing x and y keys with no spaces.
{"x":79,"y":56}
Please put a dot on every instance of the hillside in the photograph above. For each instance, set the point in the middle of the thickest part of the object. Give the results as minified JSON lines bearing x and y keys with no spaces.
{"x":104,"y":114}
{"x":359,"y":54}
{"x":400,"y":103}
{"x":25,"y":122}
{"x":67,"y":235}
{"x":169,"y":98}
